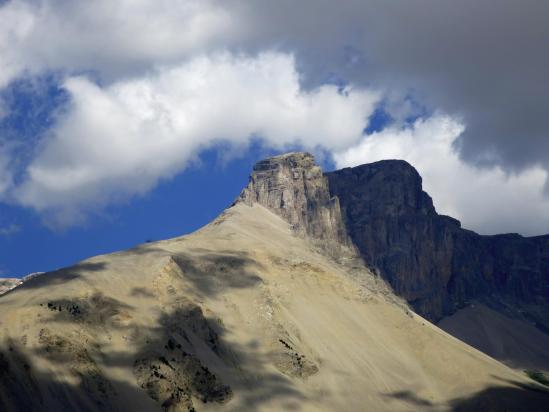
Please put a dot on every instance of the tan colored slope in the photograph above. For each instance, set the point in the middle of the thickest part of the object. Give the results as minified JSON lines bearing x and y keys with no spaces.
{"x":242,"y":315}
{"x":515,"y":342}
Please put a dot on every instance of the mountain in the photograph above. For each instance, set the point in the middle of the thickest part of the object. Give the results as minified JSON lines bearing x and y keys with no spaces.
{"x":436,"y":265}
{"x":440,"y":268}
{"x":267,"y":308}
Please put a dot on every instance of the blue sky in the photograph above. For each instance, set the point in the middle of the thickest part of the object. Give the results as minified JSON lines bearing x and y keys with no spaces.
{"x":146,"y":124}
{"x":175,"y":207}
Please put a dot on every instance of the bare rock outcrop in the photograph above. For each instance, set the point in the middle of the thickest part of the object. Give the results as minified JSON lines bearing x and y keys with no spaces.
{"x":293,"y":186}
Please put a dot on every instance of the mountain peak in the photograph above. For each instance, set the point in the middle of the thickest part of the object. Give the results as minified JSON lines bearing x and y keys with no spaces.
{"x":392,"y":186}
{"x":292,"y":159}
{"x":294,"y":187}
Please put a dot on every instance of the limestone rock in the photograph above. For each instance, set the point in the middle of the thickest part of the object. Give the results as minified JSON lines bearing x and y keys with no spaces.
{"x":294,"y":187}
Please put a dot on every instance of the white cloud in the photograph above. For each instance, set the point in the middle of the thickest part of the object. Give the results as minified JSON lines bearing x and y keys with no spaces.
{"x":119,"y":140}
{"x":159,"y":103}
{"x":113,"y":38}
{"x":16,"y":21}
{"x":486,"y":200}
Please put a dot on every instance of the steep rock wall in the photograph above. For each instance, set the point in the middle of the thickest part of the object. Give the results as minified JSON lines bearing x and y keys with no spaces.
{"x":428,"y":258}
{"x":294,"y":187}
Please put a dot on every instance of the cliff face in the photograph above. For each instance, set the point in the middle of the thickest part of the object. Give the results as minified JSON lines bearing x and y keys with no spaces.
{"x":428,"y":258}
{"x":294,"y":187}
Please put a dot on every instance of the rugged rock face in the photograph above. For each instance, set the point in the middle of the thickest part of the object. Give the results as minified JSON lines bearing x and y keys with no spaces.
{"x":381,"y":210}
{"x":294,"y":187}
{"x":428,"y":258}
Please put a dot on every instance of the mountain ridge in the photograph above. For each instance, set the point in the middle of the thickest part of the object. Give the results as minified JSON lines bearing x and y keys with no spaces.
{"x":250,"y":312}
{"x":380,"y":212}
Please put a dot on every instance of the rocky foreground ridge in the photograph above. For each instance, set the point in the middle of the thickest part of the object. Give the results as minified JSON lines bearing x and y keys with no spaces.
{"x":428,"y":259}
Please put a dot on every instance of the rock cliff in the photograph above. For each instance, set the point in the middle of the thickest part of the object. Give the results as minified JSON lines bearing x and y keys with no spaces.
{"x":431,"y":261}
{"x":294,"y":187}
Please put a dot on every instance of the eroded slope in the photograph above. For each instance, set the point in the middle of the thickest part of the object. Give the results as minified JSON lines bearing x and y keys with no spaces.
{"x":241,"y":315}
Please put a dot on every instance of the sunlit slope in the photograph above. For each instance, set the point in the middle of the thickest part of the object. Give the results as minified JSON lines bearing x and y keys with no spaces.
{"x":241,"y":315}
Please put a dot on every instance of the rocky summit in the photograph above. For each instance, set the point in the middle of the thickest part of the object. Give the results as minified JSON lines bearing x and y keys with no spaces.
{"x":294,"y":187}
{"x":286,"y":301}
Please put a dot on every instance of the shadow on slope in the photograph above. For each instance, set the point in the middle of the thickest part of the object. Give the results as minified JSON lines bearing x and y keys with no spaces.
{"x":518,"y":397}
{"x":93,"y":311}
{"x":185,"y":358}
{"x":24,"y":388}
{"x":189,"y":357}
{"x":410,"y":398}
{"x":214,"y":272}
{"x":60,"y":276}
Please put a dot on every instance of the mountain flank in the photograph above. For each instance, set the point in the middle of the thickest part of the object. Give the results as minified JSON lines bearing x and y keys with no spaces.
{"x":379,"y":213}
{"x":269,"y":307}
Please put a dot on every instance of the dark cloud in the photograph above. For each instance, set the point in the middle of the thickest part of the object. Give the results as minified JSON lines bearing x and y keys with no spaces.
{"x":484,"y":61}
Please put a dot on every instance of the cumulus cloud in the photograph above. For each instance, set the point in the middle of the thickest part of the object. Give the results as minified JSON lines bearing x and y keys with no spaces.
{"x":482,"y":62}
{"x":487,"y":200}
{"x":485,"y":61}
{"x":119,"y":140}
{"x":112,"y":39}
